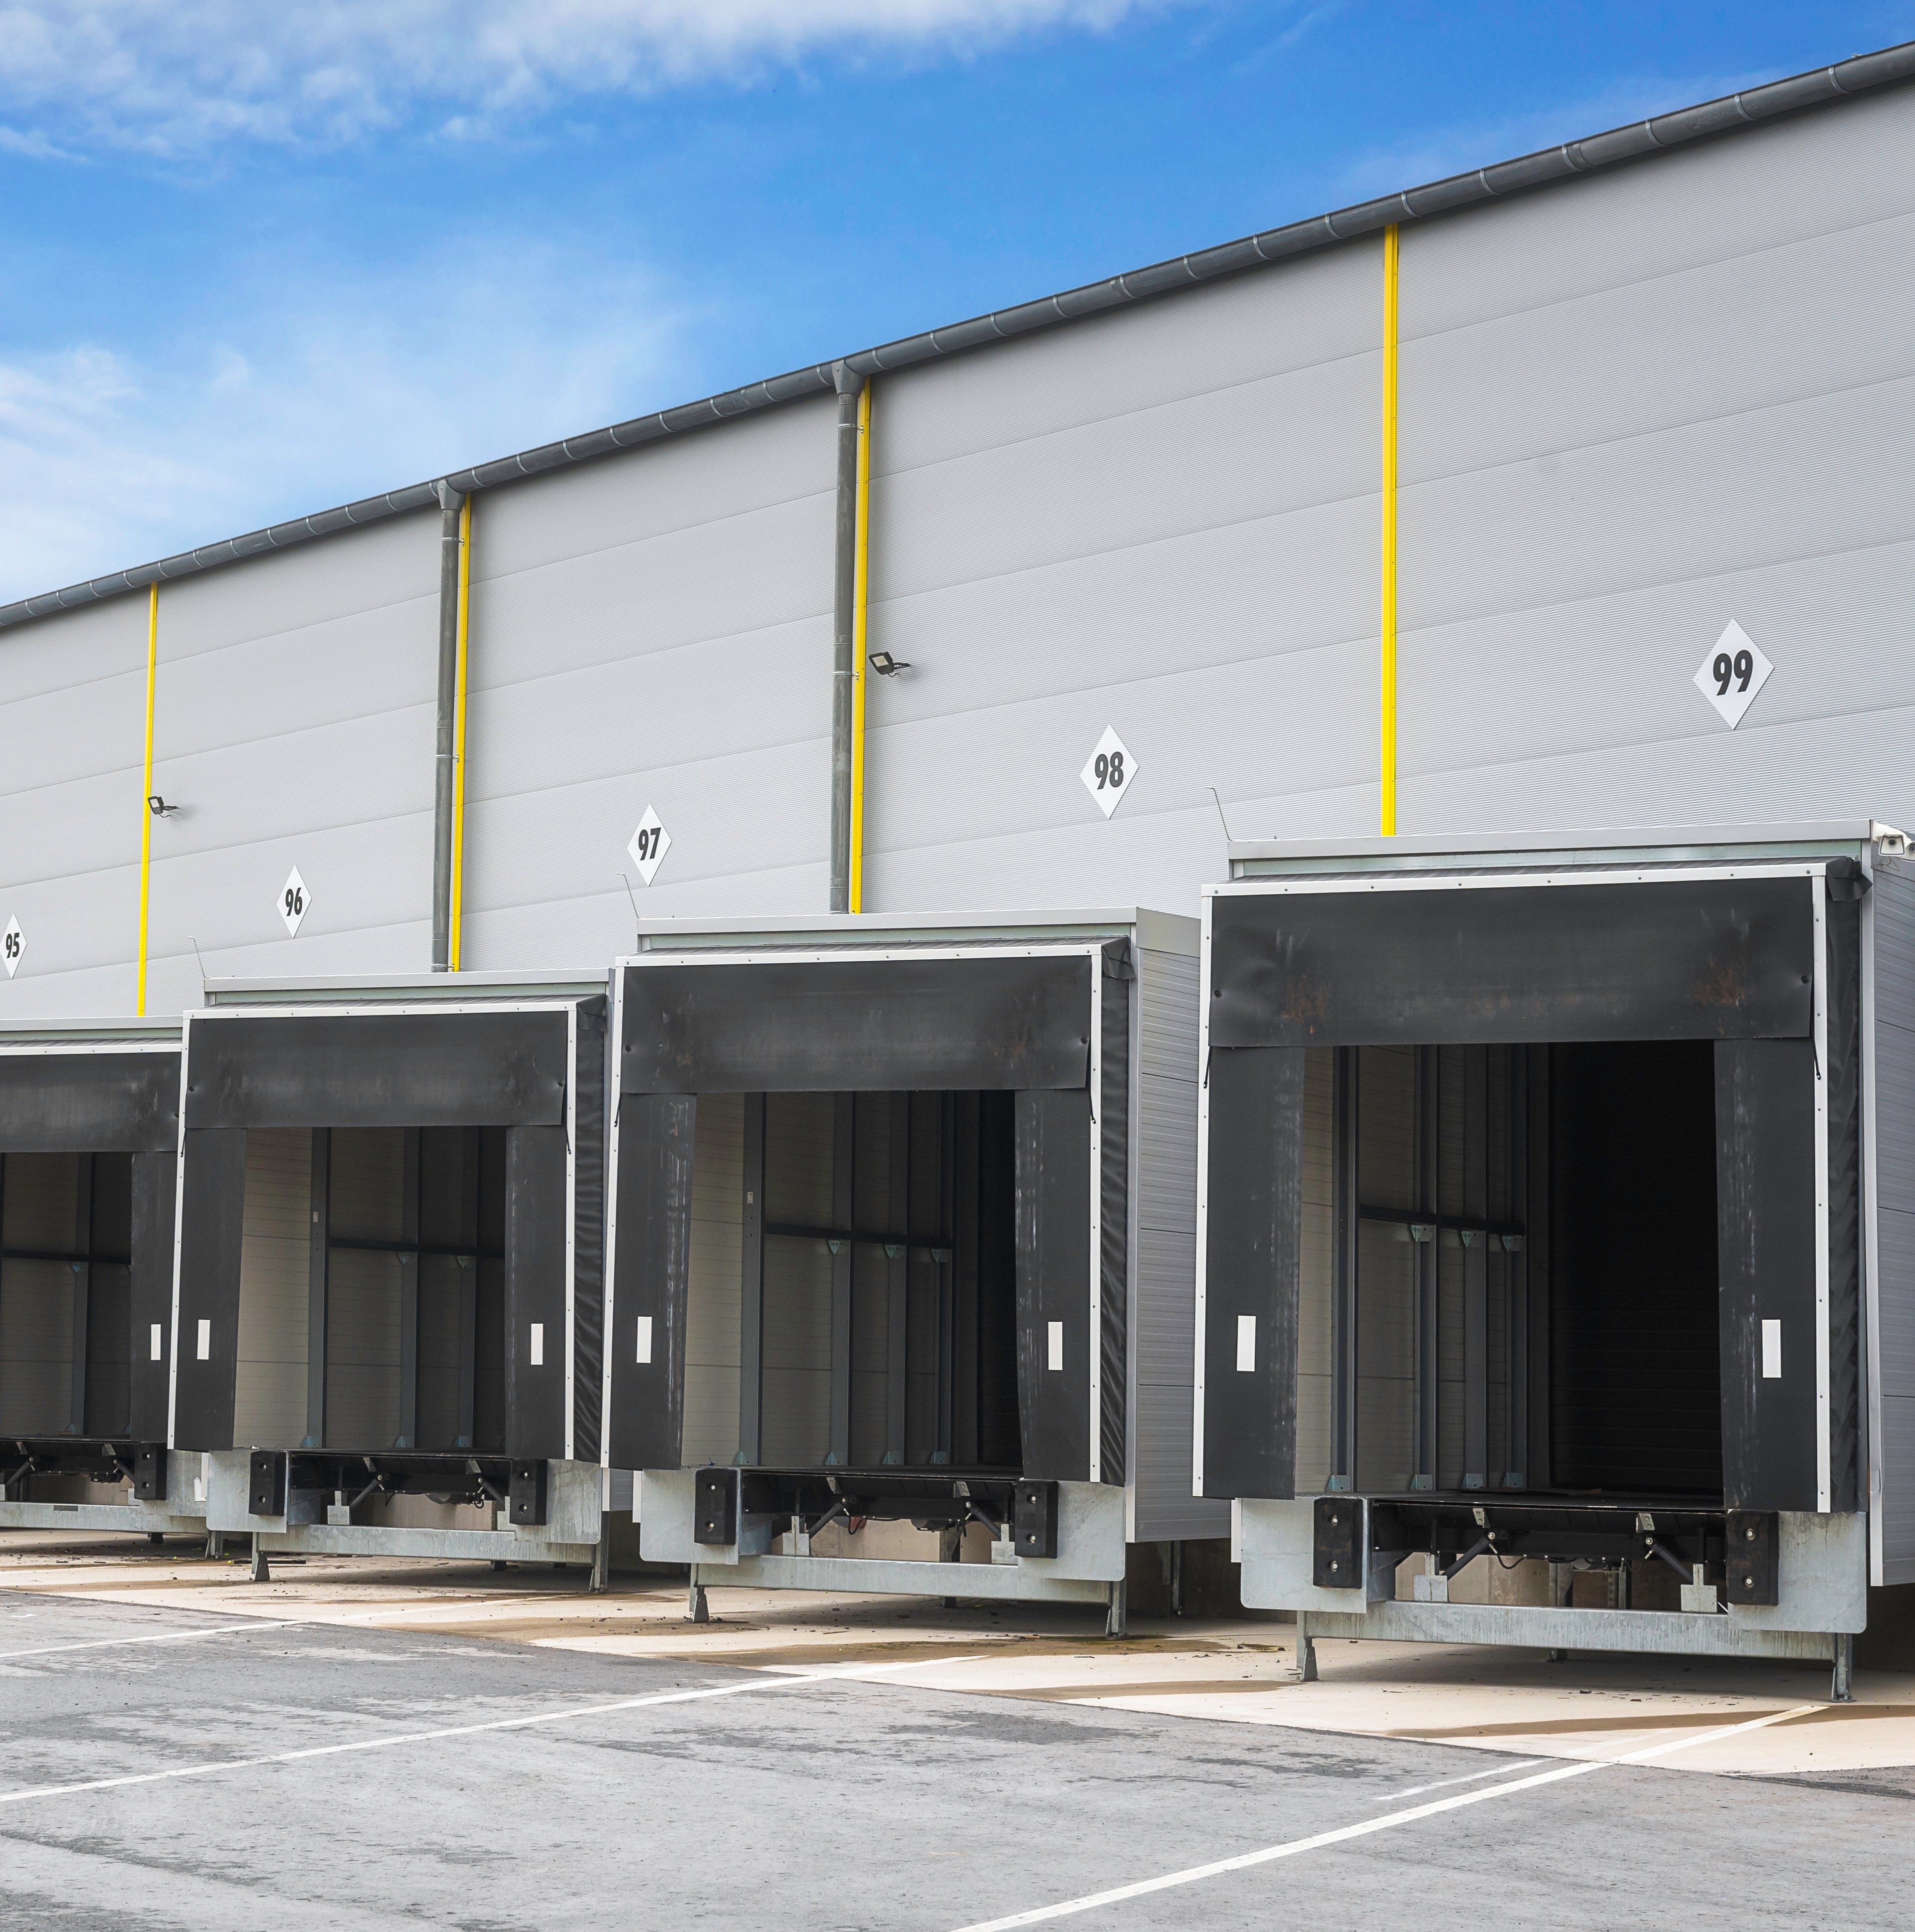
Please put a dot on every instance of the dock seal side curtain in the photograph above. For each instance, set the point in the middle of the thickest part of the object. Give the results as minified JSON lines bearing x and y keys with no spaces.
{"x":1669,"y":958}
{"x":979,"y":1023}
{"x":432,"y":1069}
{"x":55,"y":1102}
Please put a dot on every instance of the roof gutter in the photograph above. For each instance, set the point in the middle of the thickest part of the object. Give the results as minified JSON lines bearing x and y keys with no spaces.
{"x":1821,"y":87}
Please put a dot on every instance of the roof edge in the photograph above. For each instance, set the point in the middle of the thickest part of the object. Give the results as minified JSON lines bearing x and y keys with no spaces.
{"x":1820,"y":87}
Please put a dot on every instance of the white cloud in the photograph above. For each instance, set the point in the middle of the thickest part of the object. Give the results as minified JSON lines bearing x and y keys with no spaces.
{"x":342,"y":386}
{"x":185,"y":74}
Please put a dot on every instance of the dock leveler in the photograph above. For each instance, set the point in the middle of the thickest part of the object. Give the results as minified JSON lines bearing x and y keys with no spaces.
{"x":1557,"y":1215}
{"x":389,"y":1265}
{"x":89,"y":1125}
{"x":901,"y":1251}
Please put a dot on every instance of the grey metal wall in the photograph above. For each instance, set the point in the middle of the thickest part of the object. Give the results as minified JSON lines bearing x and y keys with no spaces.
{"x":1163,"y":520}
{"x":73,"y":700}
{"x":1661,"y":399}
{"x":293,"y":723}
{"x":654,"y":630}
{"x":1633,"y":406}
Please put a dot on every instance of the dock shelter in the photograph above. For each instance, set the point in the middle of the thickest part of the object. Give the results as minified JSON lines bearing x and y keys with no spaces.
{"x":89,"y":1114}
{"x":901,"y":1250}
{"x":390,"y":1286}
{"x":1556,"y":1206}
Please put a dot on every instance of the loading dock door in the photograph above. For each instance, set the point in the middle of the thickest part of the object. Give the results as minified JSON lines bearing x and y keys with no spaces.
{"x":976,"y":1023}
{"x":1728,"y":960}
{"x":55,"y":1102}
{"x":509,"y":1069}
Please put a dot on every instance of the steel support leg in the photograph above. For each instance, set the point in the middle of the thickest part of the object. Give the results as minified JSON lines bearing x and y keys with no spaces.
{"x":1115,"y":1621}
{"x":1306,"y":1651}
{"x":261,"y":1574}
{"x":1841,"y":1686}
{"x":601,"y":1559}
{"x":696,"y":1608}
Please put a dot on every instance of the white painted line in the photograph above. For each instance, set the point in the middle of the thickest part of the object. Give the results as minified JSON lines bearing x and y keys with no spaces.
{"x":854,"y":1674}
{"x":1468,"y":1777}
{"x":158,"y":1636}
{"x":1343,"y":1834}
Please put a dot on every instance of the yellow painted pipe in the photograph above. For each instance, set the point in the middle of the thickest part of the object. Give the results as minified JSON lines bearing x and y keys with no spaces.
{"x":459,"y":739}
{"x":1391,"y":261}
{"x":145,"y":796}
{"x":861,"y":580}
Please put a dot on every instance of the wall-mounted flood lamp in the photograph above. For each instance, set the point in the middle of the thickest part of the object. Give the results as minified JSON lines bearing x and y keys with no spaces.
{"x":159,"y":807}
{"x":886,"y":665}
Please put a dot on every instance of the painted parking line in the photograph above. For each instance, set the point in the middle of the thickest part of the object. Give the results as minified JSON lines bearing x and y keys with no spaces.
{"x":245,"y":1629}
{"x":565,"y":1714}
{"x":1468,"y":1777}
{"x":1343,"y":1834}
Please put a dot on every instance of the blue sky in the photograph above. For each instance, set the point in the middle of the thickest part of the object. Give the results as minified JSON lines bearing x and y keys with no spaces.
{"x":257,"y":260}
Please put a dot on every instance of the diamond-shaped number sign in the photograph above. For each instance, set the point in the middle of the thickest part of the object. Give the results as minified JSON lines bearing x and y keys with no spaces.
{"x":1733,"y":672}
{"x":649,"y":843}
{"x":1107,"y":771}
{"x":293,"y":900}
{"x":12,"y":948}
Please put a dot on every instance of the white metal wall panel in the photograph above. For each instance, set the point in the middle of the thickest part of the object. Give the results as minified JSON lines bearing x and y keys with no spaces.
{"x":275,"y":1263}
{"x":652,"y":630}
{"x":1165,"y":521}
{"x":1632,"y":410}
{"x":713,"y":1296}
{"x":73,"y":707}
{"x":1893,"y":911}
{"x":294,"y":725}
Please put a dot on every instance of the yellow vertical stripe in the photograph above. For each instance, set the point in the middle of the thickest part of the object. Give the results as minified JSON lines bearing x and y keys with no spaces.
{"x":145,"y":808}
{"x":1388,"y":762}
{"x":459,"y":738}
{"x":860,"y":578}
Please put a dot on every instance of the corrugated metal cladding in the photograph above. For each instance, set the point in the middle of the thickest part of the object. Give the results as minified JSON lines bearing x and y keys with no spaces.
{"x":293,"y":726}
{"x":1893,"y":913}
{"x":1634,"y":406}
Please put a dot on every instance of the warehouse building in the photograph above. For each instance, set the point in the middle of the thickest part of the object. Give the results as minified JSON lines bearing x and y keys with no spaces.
{"x":1570,"y":492}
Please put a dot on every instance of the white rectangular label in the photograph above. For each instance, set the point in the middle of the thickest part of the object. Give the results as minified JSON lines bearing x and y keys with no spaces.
{"x":1246,"y":1344}
{"x":205,"y":1344}
{"x":1772,"y":1351}
{"x":538,"y":1345}
{"x":1057,"y":1346}
{"x":644,"y":1338}
{"x":159,"y":1346}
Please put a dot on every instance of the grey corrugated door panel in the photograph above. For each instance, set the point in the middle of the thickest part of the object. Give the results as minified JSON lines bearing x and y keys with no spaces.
{"x":589,"y":1341}
{"x":294,"y":721}
{"x":656,"y":1143}
{"x":1163,"y":1345}
{"x":72,"y":731}
{"x":269,"y":1381}
{"x":1114,"y":1128}
{"x":713,"y":1308}
{"x":213,"y":1197}
{"x":1053,"y":1220}
{"x":1892,"y":913}
{"x":608,"y":607}
{"x":1716,"y":200}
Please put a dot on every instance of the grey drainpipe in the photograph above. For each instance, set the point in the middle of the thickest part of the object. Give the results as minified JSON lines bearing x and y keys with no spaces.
{"x":451,"y":502}
{"x":844,"y":662}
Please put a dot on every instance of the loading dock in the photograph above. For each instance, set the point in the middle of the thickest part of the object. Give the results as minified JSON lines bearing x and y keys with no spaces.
{"x":389,"y":1265}
{"x":901,"y":1251}
{"x":88,"y":1122}
{"x":1552,"y":1248}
